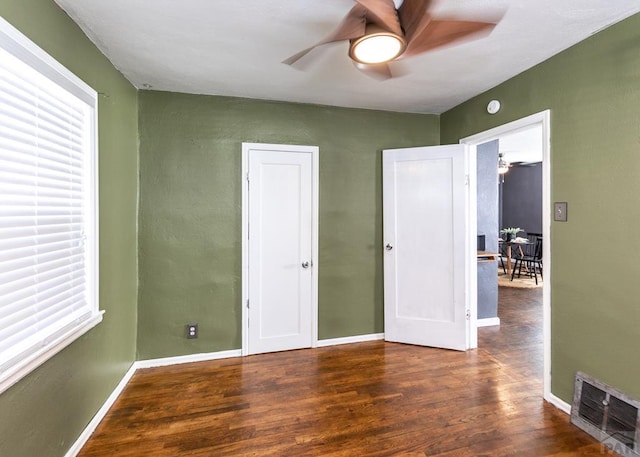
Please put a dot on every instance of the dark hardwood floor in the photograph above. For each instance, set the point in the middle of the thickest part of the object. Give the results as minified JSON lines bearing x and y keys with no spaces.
{"x":365,"y":399}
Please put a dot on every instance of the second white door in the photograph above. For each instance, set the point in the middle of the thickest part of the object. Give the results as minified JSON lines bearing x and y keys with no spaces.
{"x":280,"y":232}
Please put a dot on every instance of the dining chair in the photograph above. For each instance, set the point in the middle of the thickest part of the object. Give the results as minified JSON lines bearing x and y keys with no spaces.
{"x":530,"y":255}
{"x":502,"y":254}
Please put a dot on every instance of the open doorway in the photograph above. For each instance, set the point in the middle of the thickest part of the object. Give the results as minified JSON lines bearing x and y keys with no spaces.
{"x":542,"y":120}
{"x":509,"y":218}
{"x":519,"y":205}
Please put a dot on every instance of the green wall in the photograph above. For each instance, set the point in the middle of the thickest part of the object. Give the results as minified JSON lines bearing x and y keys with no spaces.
{"x":190,"y":212}
{"x":593,"y":92}
{"x":43,"y":414}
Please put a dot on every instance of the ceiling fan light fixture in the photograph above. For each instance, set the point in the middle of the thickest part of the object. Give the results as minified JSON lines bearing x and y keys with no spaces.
{"x":503,"y":165}
{"x":376,"y":46}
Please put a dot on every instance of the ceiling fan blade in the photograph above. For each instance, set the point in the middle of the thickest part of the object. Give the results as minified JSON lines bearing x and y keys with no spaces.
{"x":414,"y":17}
{"x":379,"y":71}
{"x":299,"y":55}
{"x":439,"y":33}
{"x":352,"y":26}
{"x":382,"y":13}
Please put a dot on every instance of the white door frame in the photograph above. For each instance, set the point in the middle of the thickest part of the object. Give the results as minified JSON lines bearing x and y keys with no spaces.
{"x":542,"y":119}
{"x":314,"y":151}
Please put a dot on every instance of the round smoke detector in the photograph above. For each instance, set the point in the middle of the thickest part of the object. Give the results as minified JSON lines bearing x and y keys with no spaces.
{"x":493,"y":107}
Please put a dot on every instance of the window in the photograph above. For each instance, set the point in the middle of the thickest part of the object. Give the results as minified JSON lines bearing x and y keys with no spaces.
{"x":48,"y":207}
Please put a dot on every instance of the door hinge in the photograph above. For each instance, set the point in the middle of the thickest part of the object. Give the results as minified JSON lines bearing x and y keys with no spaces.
{"x":248,"y":304}
{"x":247,"y":177}
{"x":468,"y":314}
{"x":466,"y":180}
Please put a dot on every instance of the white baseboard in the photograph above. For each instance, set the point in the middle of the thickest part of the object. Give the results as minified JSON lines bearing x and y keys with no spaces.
{"x":488,"y":322}
{"x":350,"y":339}
{"x":203,"y":357}
{"x":91,"y":427}
{"x":559,"y":403}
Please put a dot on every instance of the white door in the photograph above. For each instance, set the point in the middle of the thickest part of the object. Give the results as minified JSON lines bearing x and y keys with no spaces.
{"x":426,"y":247}
{"x":280,"y":295}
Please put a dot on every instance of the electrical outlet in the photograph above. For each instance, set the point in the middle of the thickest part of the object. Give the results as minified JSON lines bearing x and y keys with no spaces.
{"x":192,"y":331}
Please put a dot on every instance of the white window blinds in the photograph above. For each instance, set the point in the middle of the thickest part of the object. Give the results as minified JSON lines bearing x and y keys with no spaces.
{"x":48,"y":231}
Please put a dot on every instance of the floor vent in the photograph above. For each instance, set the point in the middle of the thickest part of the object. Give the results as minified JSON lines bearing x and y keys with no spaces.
{"x":607,"y":414}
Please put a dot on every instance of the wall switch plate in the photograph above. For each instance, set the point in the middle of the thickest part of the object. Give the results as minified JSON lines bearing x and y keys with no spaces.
{"x":192,"y":331}
{"x":560,"y":211}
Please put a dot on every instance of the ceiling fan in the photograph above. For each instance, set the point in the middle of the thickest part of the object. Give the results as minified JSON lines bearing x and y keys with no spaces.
{"x":379,"y":33}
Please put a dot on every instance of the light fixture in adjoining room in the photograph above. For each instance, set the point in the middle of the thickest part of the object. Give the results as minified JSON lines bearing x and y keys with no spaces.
{"x":503,"y":165}
{"x":376,"y":46}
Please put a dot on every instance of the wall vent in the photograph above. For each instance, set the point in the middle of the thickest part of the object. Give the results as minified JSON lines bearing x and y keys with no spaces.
{"x":607,"y":414}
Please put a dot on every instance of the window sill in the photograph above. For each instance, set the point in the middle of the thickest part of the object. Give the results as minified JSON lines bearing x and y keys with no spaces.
{"x":26,"y":366}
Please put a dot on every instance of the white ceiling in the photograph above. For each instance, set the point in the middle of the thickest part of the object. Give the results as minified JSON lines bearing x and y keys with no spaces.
{"x":236,"y":47}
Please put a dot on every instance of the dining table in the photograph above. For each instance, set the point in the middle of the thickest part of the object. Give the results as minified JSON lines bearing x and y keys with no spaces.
{"x":509,"y":244}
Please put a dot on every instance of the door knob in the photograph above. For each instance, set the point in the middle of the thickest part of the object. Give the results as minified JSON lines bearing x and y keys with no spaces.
{"x":388,"y":247}
{"x":305,"y":264}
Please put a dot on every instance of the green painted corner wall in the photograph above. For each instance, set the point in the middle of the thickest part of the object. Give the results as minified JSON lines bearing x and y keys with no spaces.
{"x":593,"y":92}
{"x":190,"y":212}
{"x":43,"y":414}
